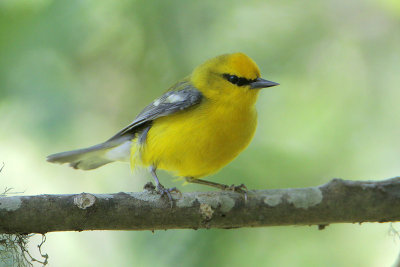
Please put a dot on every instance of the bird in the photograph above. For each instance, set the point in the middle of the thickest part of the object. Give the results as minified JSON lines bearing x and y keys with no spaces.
{"x":195,"y":128}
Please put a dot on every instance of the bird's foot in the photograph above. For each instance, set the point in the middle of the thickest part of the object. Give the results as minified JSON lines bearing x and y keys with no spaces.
{"x":242,"y":189}
{"x":239,"y":189}
{"x":167,"y":191}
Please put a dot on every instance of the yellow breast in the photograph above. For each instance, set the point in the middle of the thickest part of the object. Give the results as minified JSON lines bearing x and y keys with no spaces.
{"x":198,"y":142}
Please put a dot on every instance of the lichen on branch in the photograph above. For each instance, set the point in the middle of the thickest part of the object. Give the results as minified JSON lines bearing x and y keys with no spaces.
{"x":338,"y":201}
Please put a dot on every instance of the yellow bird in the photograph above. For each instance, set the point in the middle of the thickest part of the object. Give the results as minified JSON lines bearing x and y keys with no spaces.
{"x":194,"y":129}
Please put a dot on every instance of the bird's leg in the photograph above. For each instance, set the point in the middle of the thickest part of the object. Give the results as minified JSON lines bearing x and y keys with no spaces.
{"x":239,"y":188}
{"x":160,"y":188}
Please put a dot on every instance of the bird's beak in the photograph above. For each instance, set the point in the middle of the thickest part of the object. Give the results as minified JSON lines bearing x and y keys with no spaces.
{"x":261,"y":83}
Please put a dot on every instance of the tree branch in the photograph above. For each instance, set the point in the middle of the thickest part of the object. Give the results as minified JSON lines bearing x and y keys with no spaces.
{"x":338,"y":201}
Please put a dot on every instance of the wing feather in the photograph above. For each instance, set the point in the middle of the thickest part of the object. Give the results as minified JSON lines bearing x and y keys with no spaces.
{"x":180,"y":97}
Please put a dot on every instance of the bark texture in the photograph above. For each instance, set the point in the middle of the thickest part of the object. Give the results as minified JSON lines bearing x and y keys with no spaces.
{"x":339,"y":201}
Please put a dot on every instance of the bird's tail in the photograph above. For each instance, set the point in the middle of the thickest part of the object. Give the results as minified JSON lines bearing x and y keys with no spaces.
{"x":95,"y":156}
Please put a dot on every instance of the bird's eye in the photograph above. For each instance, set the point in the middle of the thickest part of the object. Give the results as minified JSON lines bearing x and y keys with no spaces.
{"x":232,"y":78}
{"x":236,"y":80}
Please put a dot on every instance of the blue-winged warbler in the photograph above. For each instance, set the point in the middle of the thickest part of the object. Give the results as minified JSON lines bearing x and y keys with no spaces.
{"x":194,"y":129}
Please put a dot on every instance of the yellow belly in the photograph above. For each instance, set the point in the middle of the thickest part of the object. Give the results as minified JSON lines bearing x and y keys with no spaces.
{"x":200,"y":141}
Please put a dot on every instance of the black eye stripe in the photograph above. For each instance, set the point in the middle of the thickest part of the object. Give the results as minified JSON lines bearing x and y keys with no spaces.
{"x":239,"y":81}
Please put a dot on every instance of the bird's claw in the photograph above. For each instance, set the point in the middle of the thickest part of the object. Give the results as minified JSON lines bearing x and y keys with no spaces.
{"x":167,"y":191}
{"x":239,"y":189}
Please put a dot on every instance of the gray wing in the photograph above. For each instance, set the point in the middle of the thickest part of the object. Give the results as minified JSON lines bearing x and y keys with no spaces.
{"x":182,"y":96}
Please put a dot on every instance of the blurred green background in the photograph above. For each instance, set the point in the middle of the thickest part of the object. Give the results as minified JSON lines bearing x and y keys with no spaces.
{"x":72,"y":73}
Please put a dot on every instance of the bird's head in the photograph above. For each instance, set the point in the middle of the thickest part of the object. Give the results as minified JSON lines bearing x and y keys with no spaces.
{"x":229,"y":77}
